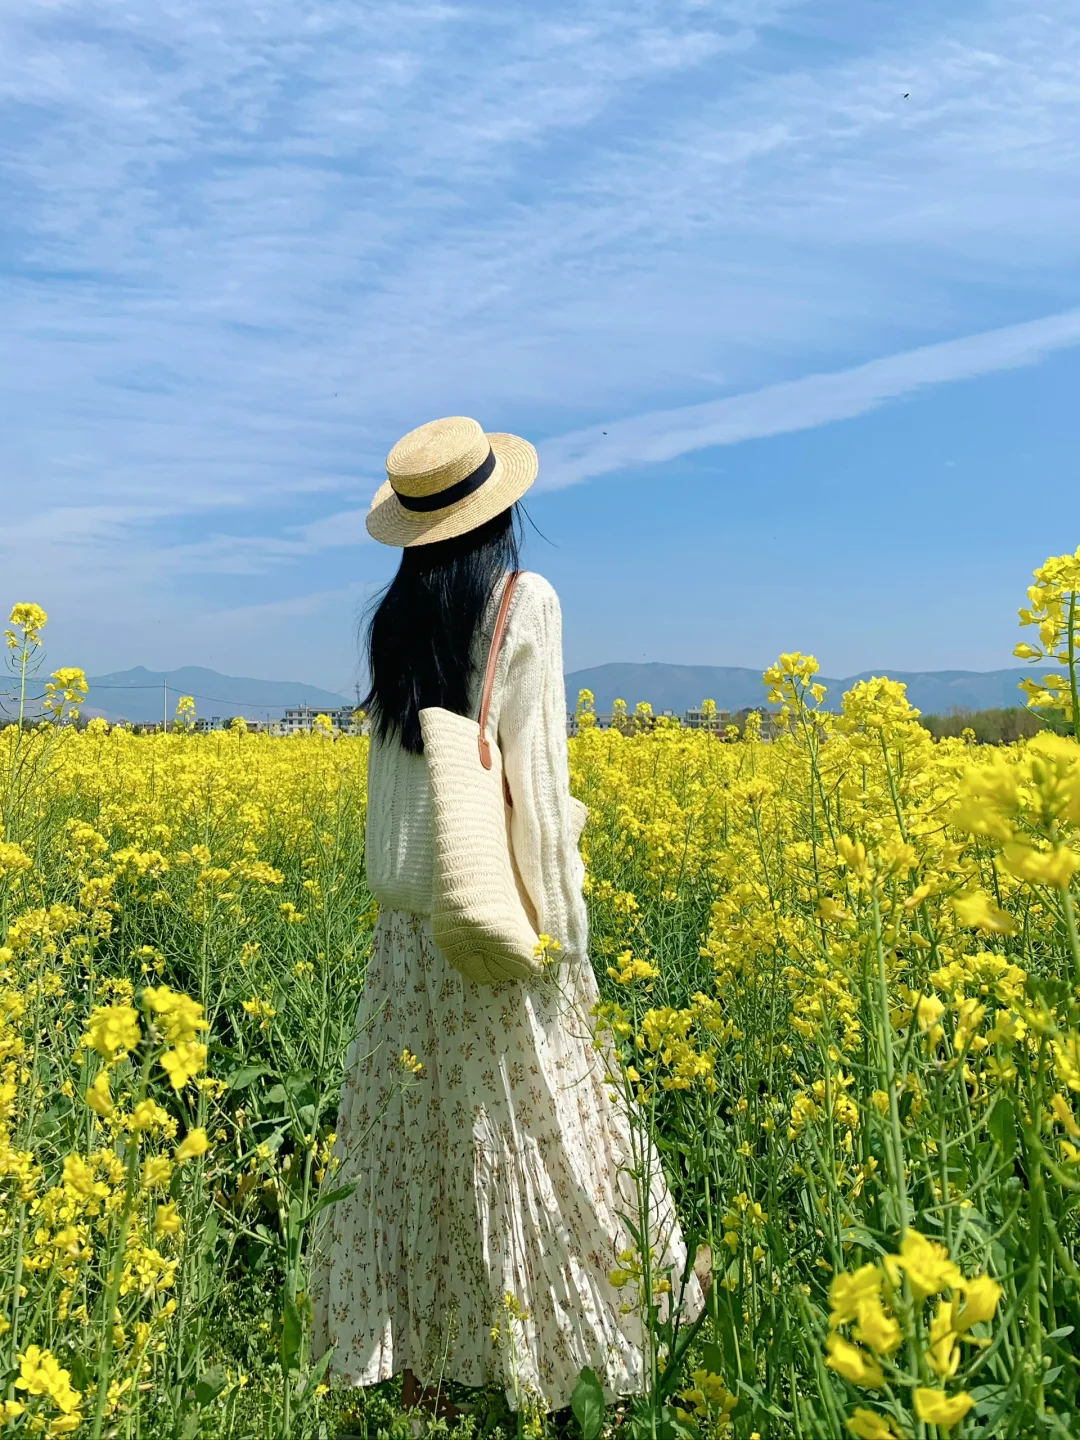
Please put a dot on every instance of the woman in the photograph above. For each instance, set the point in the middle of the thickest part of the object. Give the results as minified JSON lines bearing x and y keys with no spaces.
{"x":491,"y":1192}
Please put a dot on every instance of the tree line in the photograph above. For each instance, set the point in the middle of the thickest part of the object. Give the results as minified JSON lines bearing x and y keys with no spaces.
{"x":1000,"y":726}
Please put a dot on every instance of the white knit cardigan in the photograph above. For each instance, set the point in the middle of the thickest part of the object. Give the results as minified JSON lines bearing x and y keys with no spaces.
{"x":528,"y":715}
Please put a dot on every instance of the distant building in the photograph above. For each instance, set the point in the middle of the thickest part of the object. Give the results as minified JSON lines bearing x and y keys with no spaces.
{"x":769,"y":727}
{"x":603,"y":722}
{"x":300,"y":718}
{"x":694,"y":720}
{"x":629,"y":722}
{"x":226,"y":722}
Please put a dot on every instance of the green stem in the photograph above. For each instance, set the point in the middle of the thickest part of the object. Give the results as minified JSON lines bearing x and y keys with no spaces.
{"x":1074,"y":683}
{"x":896,"y":1133}
{"x":112,"y":1293}
{"x":16,"y":1287}
{"x":9,"y":804}
{"x":1036,"y":1208}
{"x":1069,"y":911}
{"x":714,"y":1293}
{"x":27,"y":1134}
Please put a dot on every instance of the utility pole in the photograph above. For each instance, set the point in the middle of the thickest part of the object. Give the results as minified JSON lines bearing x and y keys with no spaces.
{"x":165,"y":706}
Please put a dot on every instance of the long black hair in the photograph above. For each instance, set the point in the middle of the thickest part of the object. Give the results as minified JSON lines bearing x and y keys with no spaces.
{"x":420,"y":636}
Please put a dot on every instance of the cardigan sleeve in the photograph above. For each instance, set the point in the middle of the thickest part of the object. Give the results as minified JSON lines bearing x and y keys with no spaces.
{"x":546,"y":822}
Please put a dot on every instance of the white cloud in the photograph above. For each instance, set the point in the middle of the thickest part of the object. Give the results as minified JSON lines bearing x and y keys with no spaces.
{"x":798,"y":404}
{"x":313,"y":635}
{"x":302,"y":607}
{"x":246,"y":247}
{"x":347,"y":527}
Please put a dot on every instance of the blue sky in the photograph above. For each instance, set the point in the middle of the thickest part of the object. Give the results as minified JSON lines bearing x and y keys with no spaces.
{"x":811,"y":266}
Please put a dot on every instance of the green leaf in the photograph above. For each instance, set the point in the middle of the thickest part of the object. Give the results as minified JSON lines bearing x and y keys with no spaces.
{"x":274,"y":1140}
{"x":242,"y":1078}
{"x":712,"y":1358}
{"x":299,"y":1089}
{"x":49,"y":1123}
{"x":725,"y":1354}
{"x":311,"y":1382}
{"x":992,"y":1403}
{"x":210,"y":1385}
{"x":292,"y":1334}
{"x":80,"y":1371}
{"x":670,"y":1427}
{"x":587,"y":1403}
{"x":330,"y":1198}
{"x":762,"y":1400}
{"x":1002,"y":1125}
{"x":294,"y":1231}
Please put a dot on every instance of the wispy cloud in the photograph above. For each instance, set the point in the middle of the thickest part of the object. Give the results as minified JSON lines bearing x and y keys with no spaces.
{"x":347,"y":527}
{"x":244,"y":248}
{"x":304,"y":607}
{"x":798,"y":404}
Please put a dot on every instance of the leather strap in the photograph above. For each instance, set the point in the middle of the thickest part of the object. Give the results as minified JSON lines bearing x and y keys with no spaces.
{"x":492,"y":660}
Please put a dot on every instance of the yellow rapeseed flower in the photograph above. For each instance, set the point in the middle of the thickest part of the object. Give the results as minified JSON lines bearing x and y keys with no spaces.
{"x":157,"y":1172}
{"x":1054,"y":867}
{"x":79,"y":1179}
{"x":31,"y":620}
{"x":183,"y":1062}
{"x":166,"y":1221}
{"x":98,"y":1096}
{"x":852,"y":1363}
{"x":148,"y":1115}
{"x":851,"y":1291}
{"x":40,"y":1373}
{"x":867,"y":1424}
{"x":982,"y":1296}
{"x":937,"y":1408}
{"x":975,"y":908}
{"x":1064,"y":1116}
{"x":113,"y":1031}
{"x":194,"y":1144}
{"x":927,"y":1265}
{"x":13,"y":859}
{"x":629,"y":969}
{"x":177,"y":1016}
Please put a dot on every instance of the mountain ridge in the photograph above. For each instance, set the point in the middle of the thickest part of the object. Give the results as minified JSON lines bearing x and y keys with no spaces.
{"x":735,"y":687}
{"x":137,"y":694}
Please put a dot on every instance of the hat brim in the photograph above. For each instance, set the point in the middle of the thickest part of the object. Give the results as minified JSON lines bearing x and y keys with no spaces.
{"x":516,"y":467}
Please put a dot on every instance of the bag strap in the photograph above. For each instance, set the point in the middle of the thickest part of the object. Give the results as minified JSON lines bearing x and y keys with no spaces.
{"x":492,"y":660}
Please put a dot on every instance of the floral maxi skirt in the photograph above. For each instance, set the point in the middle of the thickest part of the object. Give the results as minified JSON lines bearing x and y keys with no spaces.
{"x":491,"y":1190}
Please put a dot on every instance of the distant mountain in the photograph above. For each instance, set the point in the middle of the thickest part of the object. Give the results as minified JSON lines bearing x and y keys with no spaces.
{"x":139,"y":695}
{"x":680,"y":687}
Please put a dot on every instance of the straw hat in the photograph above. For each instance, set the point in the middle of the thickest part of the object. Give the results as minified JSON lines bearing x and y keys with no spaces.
{"x":447,"y":477}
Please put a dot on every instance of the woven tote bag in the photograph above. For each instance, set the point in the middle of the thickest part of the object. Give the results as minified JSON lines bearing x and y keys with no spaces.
{"x":481,"y":918}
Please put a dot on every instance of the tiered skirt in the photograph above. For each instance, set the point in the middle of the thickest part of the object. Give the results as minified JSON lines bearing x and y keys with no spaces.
{"x":493,"y":1187}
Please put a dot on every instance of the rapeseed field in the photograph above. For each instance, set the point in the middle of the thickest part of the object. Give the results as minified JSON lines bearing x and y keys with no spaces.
{"x":841,"y":995}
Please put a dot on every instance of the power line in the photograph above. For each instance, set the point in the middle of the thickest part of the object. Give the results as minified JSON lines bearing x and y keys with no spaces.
{"x":215,"y":699}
